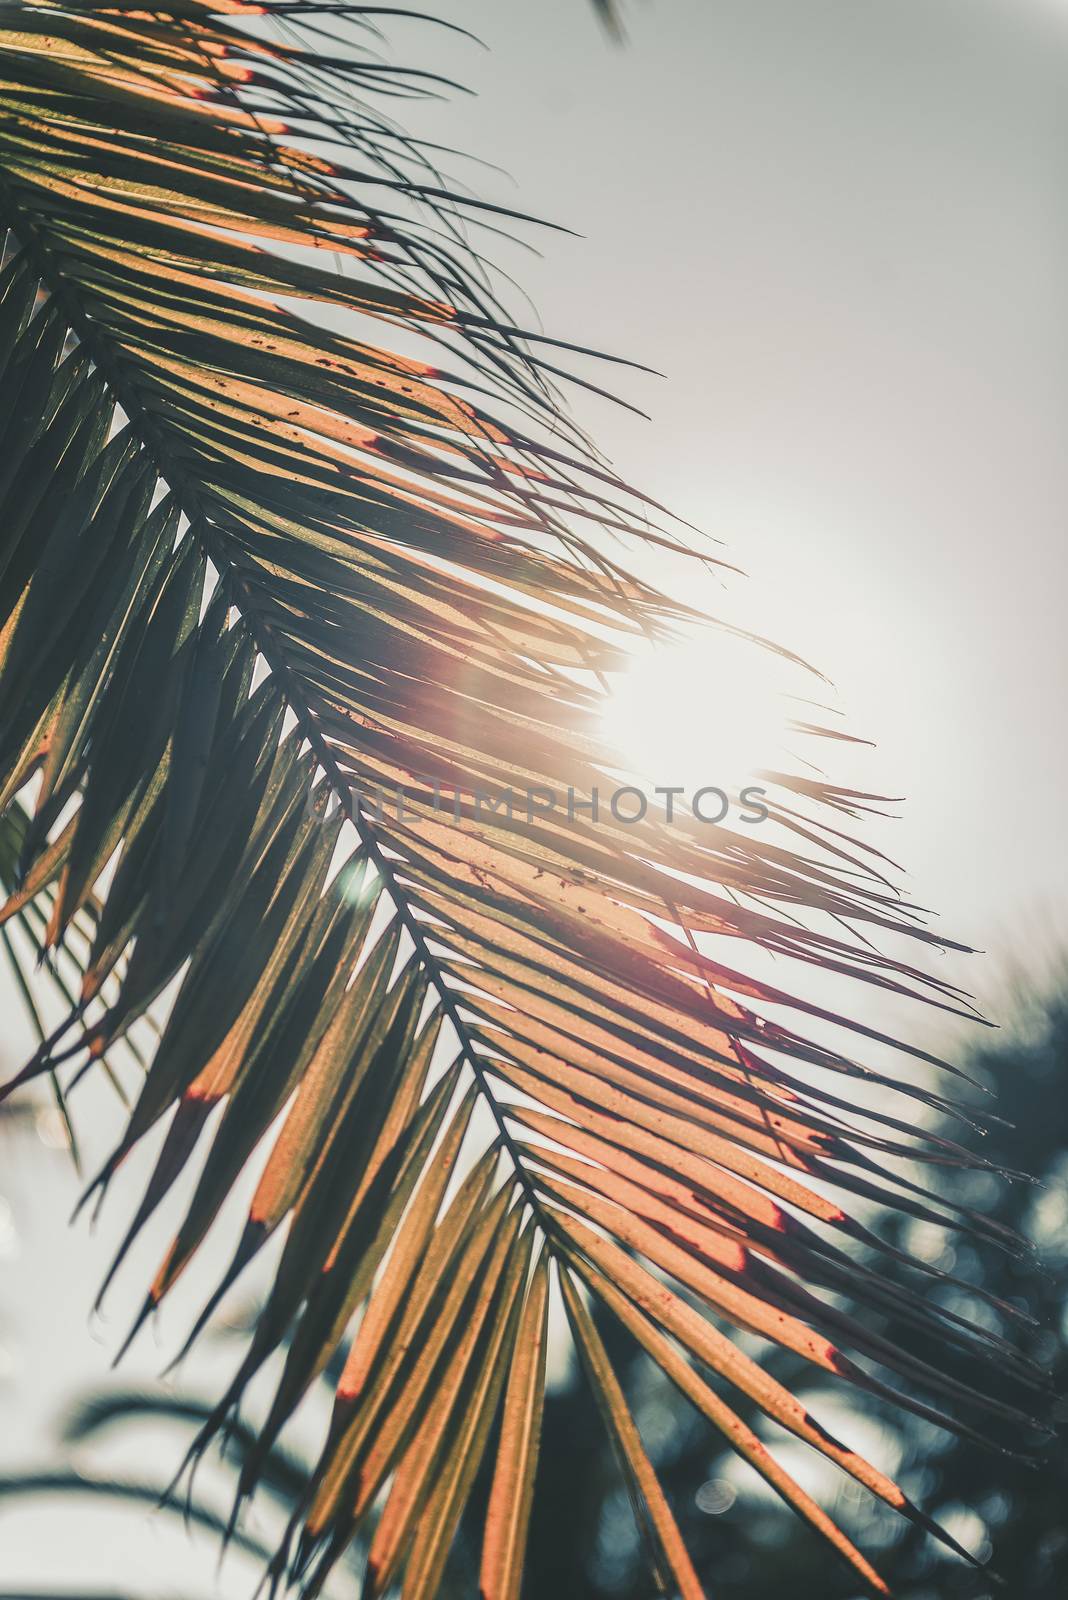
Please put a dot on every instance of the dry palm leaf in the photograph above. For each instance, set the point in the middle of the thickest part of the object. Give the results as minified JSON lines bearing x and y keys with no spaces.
{"x":258,"y":559}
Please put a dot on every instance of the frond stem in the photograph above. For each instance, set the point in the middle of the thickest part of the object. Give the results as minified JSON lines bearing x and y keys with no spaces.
{"x":27,"y":231}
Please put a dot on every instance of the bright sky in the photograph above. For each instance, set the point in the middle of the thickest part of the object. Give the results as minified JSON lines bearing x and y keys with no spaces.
{"x":841,"y":232}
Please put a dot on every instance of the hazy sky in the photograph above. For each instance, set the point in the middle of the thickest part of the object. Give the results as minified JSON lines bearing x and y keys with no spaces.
{"x":839,"y":228}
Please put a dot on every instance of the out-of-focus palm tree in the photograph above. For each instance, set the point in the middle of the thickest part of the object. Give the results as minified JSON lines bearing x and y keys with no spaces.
{"x":1011,"y":1511}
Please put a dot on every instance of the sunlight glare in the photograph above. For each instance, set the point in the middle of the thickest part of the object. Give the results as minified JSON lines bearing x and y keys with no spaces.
{"x":705,"y":709}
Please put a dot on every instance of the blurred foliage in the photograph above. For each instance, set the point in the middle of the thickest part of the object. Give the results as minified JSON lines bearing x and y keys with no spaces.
{"x":746,"y":1545}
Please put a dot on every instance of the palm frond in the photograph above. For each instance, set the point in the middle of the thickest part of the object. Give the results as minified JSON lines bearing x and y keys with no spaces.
{"x":123,"y":1491}
{"x":610,"y":14}
{"x":24,"y":919}
{"x":261,"y":561}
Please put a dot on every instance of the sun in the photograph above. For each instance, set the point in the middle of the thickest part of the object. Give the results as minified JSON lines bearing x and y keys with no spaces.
{"x":704,"y":709}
